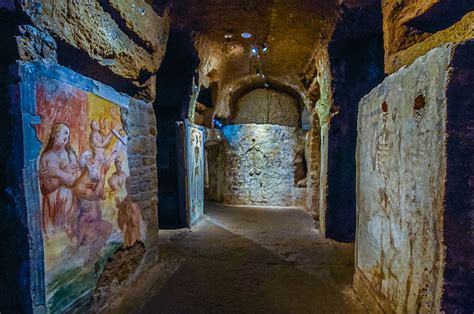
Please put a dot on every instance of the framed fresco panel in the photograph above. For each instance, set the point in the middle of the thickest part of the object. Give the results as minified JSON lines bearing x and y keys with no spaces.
{"x":194,"y":144}
{"x":75,"y":177}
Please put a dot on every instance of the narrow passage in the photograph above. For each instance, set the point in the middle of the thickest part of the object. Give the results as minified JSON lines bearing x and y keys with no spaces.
{"x":248,"y":260}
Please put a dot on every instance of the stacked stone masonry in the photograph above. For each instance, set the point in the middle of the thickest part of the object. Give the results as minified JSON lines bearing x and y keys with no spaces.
{"x":140,"y":124}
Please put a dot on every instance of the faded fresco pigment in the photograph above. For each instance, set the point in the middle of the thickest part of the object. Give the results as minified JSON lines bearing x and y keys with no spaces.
{"x":414,"y":232}
{"x":79,"y":182}
{"x":195,"y":138}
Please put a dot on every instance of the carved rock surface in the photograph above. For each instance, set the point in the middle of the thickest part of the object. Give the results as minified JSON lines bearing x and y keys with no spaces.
{"x":34,"y":44}
{"x":266,"y":106}
{"x":87,"y":26}
{"x":142,"y":20}
{"x":412,"y":28}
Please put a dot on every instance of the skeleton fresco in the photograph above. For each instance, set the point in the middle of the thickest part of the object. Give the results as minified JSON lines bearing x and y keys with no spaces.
{"x":195,"y":172}
{"x":257,"y":159}
{"x":260,"y":165}
{"x":254,"y":149}
{"x":82,"y":173}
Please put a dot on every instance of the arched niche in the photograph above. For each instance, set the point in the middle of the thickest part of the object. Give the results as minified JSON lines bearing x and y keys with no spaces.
{"x":267,"y":106}
{"x":232,"y":92}
{"x":268,"y":101}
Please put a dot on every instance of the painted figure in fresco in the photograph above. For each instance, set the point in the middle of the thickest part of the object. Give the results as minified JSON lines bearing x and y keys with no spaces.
{"x":105,"y":126}
{"x":254,"y":149}
{"x":98,"y":141}
{"x":93,"y":231}
{"x":256,"y":193}
{"x":128,"y":218}
{"x":117,"y":179}
{"x":58,"y":171}
{"x":196,"y":144}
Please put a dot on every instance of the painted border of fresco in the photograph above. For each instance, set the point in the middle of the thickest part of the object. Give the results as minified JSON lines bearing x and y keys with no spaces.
{"x":30,"y":72}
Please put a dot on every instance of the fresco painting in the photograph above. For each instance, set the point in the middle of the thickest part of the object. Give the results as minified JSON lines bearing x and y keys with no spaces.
{"x":83,"y":175}
{"x":195,"y":138}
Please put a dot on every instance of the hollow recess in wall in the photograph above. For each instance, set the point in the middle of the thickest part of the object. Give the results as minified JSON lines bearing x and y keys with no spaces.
{"x":385,"y":107}
{"x":420,"y":103}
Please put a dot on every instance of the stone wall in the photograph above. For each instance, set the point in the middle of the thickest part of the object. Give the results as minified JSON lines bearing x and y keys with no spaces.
{"x":57,"y":226}
{"x":354,"y":71}
{"x":15,"y":294}
{"x":120,"y":45}
{"x":117,"y":36}
{"x":410,"y":257}
{"x":459,"y":193}
{"x":267,"y":106}
{"x":313,"y":158}
{"x":322,"y":88}
{"x":195,"y":138}
{"x":260,"y":165}
{"x":174,"y":83}
{"x":412,"y":28}
{"x":216,"y":173}
{"x":140,"y":123}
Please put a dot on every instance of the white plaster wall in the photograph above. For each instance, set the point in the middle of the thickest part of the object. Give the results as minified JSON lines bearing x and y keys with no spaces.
{"x":401,"y":162}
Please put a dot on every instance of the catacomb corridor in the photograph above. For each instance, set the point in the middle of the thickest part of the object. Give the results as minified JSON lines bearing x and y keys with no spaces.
{"x":244,"y":156}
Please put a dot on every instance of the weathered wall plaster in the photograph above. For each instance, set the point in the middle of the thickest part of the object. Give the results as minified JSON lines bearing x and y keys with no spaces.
{"x":260,"y":165}
{"x":322,"y":110}
{"x":195,"y":171}
{"x":78,"y":203}
{"x":356,"y":65}
{"x":404,"y":152}
{"x":313,"y":158}
{"x":216,"y":170}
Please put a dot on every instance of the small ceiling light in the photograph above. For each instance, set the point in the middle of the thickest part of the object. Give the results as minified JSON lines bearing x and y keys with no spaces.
{"x":264,"y":48}
{"x":254,"y":50}
{"x":228,"y":36}
{"x":246,"y":35}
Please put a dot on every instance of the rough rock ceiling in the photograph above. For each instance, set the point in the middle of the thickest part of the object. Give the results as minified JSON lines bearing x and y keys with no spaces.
{"x":291,"y":28}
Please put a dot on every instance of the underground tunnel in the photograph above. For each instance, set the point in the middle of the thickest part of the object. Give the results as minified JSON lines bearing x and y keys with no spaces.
{"x":298,"y":156}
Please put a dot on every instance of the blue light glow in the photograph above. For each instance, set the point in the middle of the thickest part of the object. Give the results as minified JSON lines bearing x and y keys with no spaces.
{"x":217,"y":124}
{"x":254,"y":50}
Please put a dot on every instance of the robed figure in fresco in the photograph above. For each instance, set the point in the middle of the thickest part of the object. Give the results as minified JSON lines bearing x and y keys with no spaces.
{"x":129,"y":218}
{"x":196,"y":142}
{"x":93,"y":231}
{"x":58,"y":170}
